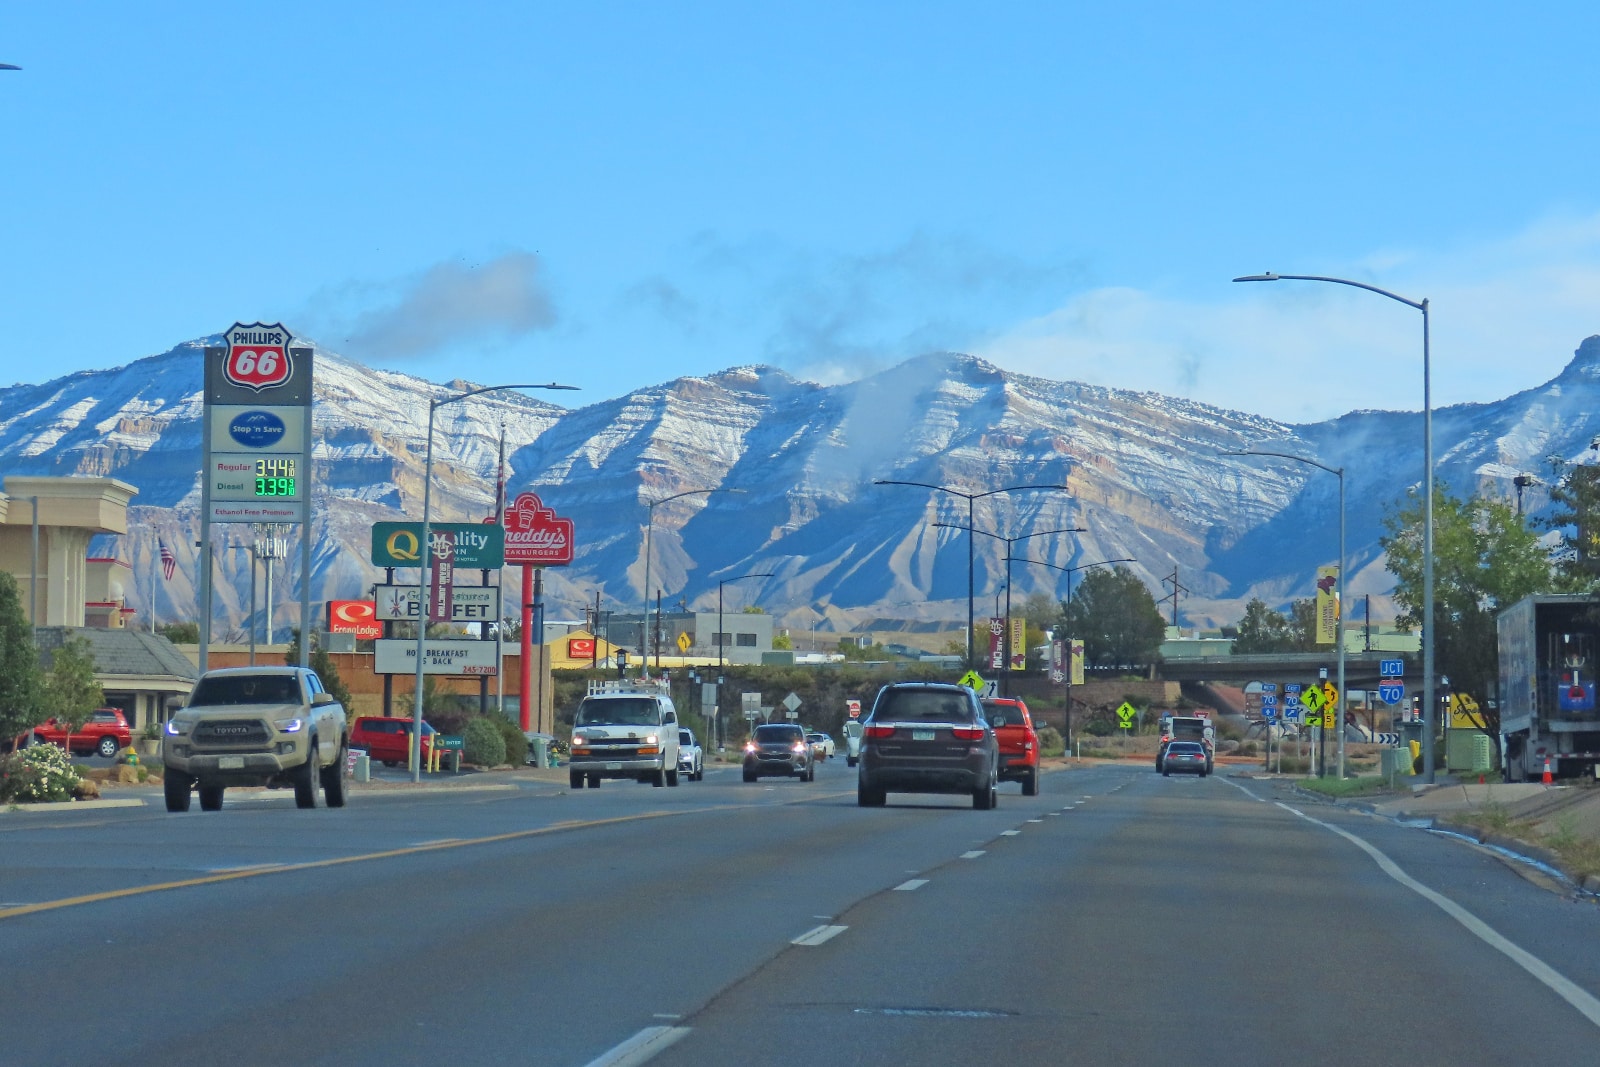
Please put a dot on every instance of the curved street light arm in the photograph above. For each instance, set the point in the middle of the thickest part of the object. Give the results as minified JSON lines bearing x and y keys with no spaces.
{"x":1285,"y":455}
{"x":1271,"y":277}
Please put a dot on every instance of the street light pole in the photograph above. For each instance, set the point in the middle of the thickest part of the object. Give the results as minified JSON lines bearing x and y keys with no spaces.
{"x":650,"y":640}
{"x":969,"y":497}
{"x":1010,"y":543}
{"x":426,"y":570}
{"x":1428,"y":711}
{"x":1338,"y":472}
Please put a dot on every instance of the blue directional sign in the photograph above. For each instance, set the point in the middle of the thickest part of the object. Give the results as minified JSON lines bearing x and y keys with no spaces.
{"x":1391,"y":692}
{"x":1269,"y":687}
{"x":1391,"y":668}
{"x":1269,"y":705}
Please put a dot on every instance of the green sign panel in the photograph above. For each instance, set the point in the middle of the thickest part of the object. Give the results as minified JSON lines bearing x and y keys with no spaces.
{"x":450,"y":741}
{"x":1126,"y":712}
{"x":399,"y":544}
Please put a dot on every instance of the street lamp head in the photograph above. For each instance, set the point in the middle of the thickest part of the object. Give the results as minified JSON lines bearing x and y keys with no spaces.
{"x":1267,"y":277}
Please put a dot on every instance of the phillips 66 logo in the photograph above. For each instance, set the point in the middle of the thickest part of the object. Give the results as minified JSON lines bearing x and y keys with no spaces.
{"x":258,"y":355}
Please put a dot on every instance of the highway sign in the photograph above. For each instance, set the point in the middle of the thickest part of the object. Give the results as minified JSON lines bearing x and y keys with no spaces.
{"x":750,"y":702}
{"x":792,"y":703}
{"x":1292,"y":711}
{"x":1126,"y":712}
{"x":1391,"y":668}
{"x":1391,"y":692}
{"x":684,"y":641}
{"x":1386,"y":739}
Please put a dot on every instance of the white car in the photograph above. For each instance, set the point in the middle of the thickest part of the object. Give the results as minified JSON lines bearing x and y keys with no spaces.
{"x":691,"y":759}
{"x":852,"y":742}
{"x":822,"y":744}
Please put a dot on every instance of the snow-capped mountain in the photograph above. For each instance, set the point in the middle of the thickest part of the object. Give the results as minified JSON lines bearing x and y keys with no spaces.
{"x":1142,"y":475}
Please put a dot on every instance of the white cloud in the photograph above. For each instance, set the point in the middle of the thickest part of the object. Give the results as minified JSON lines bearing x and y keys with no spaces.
{"x":1506,"y":316}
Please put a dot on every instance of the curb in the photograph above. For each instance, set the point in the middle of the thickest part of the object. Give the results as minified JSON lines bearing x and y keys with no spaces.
{"x":71,"y":805}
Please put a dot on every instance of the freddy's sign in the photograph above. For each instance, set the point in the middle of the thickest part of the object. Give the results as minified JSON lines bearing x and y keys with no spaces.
{"x":534,"y":535}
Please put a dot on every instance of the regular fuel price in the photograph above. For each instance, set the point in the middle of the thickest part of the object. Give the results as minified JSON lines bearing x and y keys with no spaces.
{"x":275,"y":477}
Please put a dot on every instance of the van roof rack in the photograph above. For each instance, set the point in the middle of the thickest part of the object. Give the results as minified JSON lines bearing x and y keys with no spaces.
{"x":614,"y":686}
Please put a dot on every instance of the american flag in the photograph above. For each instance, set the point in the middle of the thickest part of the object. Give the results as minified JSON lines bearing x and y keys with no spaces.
{"x":169,"y":562}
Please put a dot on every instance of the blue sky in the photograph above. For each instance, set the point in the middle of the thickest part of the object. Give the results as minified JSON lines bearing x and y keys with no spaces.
{"x":615,"y":195}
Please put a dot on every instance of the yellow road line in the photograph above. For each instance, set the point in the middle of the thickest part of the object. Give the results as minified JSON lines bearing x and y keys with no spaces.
{"x":233,"y":876}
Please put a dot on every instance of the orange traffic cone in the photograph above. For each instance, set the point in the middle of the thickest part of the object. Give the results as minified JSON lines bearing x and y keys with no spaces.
{"x":1546,"y":779}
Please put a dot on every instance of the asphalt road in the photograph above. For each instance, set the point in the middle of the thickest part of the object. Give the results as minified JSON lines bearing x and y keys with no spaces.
{"x":1119,"y":917}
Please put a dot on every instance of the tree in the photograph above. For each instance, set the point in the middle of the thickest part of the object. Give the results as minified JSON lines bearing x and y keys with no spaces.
{"x":323,"y":664}
{"x":181,"y":633}
{"x":20,"y":684}
{"x":1116,"y":618}
{"x":782,"y":641}
{"x":1261,"y":630}
{"x":1575,"y":514}
{"x":71,"y":693}
{"x":1484,"y":559}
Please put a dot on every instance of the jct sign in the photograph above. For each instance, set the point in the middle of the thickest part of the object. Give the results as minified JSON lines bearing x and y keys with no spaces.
{"x":535,"y":536}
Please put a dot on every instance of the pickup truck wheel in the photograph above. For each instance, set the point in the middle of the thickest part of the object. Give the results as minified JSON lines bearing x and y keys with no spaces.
{"x":333,"y":780}
{"x":672,"y":777}
{"x":108,"y":747}
{"x":1030,"y":784}
{"x":176,"y":785}
{"x":574,"y":780}
{"x":305,"y":780}
{"x":211,"y":797}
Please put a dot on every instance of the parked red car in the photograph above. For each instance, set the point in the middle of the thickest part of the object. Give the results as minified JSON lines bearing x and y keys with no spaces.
{"x":388,"y":738}
{"x":1019,"y":744}
{"x":104,"y":734}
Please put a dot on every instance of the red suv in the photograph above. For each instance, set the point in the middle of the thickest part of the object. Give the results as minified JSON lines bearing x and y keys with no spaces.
{"x":1019,"y":745}
{"x":388,"y":738}
{"x":104,"y":733}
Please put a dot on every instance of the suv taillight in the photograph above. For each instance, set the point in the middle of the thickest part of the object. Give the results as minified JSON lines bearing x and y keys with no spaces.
{"x":968,"y":733}
{"x":879,"y":732}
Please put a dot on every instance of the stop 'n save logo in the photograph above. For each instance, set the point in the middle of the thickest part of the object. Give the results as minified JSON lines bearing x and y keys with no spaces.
{"x":258,"y":355}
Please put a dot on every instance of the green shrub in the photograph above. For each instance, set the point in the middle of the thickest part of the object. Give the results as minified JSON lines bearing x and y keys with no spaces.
{"x":511,"y":734}
{"x":482,"y":744}
{"x":1099,"y":728}
{"x":1050,"y":742}
{"x":37,"y":774}
{"x":1249,"y":748}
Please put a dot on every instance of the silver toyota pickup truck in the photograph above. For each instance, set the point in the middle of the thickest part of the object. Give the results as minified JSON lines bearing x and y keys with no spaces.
{"x":271,"y":726}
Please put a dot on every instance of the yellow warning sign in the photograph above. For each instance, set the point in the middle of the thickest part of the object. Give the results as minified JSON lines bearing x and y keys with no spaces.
{"x":973,"y":681}
{"x":1126,"y":713}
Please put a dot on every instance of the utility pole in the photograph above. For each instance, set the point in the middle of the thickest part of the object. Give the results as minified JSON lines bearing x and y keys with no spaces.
{"x":1173,"y":596}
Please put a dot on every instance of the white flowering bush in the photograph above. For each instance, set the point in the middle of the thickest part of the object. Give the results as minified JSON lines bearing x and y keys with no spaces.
{"x":40,"y":773}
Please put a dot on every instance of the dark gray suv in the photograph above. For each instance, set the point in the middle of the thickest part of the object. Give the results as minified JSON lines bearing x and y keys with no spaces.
{"x":778,"y":748}
{"x":927,"y":737}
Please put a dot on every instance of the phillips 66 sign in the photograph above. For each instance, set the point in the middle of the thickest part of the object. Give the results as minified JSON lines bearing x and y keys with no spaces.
{"x":258,"y":356}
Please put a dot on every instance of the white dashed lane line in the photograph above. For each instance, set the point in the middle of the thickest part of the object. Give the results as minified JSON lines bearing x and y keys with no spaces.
{"x":1009,"y":833}
{"x":641,"y":1047}
{"x":908,"y":886}
{"x":974,"y":854}
{"x":817,"y":935}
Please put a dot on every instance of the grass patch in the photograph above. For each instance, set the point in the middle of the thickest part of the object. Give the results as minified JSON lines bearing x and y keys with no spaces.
{"x":1349,"y":787}
{"x":1099,"y":753}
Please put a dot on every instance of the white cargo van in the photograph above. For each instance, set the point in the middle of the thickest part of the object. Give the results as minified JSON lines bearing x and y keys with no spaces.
{"x":625,"y":729}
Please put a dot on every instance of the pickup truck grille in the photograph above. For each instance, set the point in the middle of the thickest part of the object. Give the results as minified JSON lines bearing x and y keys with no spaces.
{"x":231,"y":732}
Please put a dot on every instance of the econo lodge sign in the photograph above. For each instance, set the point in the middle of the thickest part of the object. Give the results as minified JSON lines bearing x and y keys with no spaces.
{"x":535,"y":536}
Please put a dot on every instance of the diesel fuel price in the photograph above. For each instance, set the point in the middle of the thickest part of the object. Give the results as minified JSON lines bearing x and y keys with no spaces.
{"x":275,"y":478}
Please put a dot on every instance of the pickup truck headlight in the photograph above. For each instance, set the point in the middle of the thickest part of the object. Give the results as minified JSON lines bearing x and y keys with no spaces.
{"x":177,"y":727}
{"x":289,"y":726}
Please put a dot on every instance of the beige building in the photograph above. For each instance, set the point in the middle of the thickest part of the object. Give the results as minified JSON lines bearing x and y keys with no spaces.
{"x":70,"y":512}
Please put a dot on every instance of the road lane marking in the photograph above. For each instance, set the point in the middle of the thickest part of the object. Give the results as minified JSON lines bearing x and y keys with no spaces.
{"x":1588,"y":1006}
{"x":258,"y":872}
{"x":1246,"y":792}
{"x":641,"y":1047}
{"x":817,"y":935}
{"x":1036,"y":820}
{"x":1009,"y":833}
{"x":974,"y":854}
{"x":908,"y":886}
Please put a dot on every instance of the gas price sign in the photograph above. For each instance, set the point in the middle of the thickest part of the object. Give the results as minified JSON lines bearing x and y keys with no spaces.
{"x":276,"y":478}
